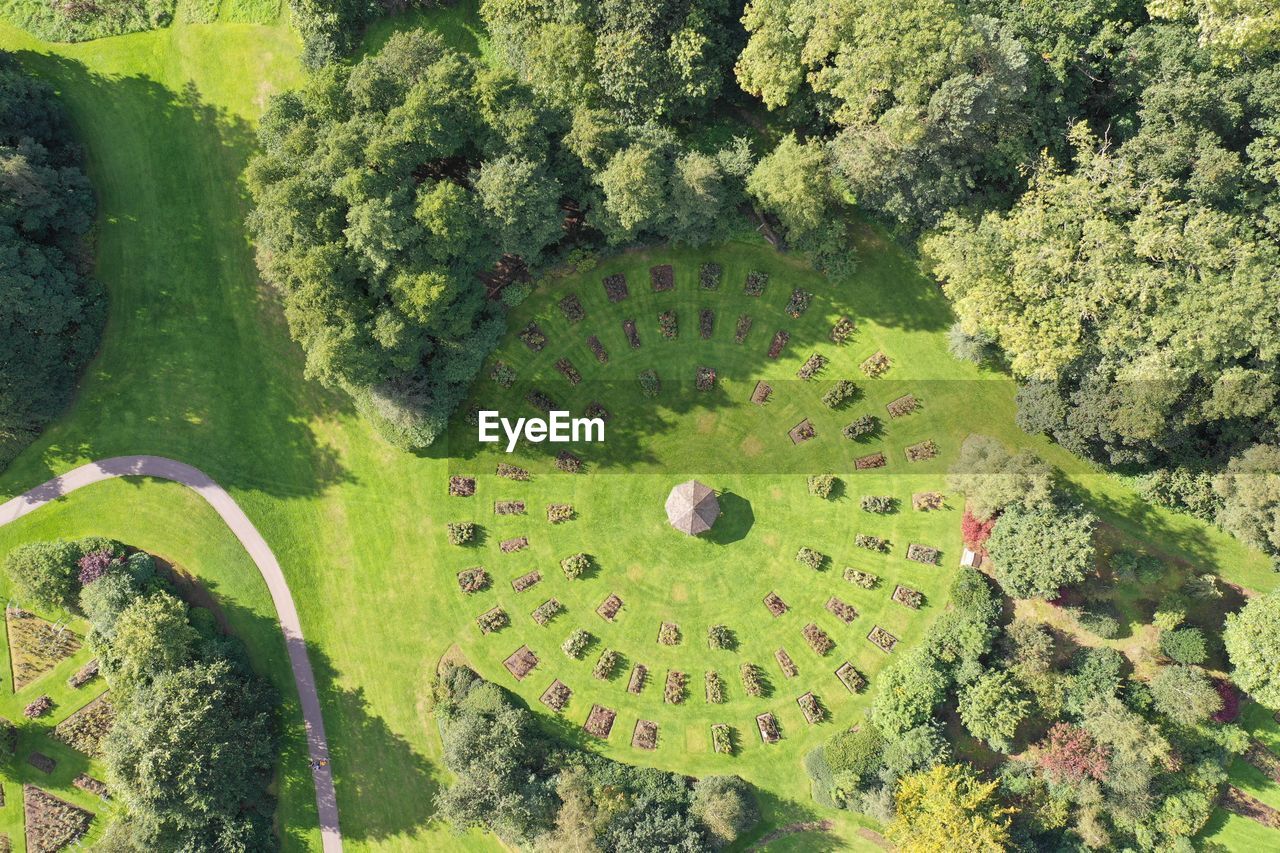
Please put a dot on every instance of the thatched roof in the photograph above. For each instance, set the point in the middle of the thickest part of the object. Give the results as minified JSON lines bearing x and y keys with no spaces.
{"x":692,"y":508}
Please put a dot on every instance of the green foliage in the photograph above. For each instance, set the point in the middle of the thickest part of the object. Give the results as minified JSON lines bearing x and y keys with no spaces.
{"x":1185,"y":645}
{"x":822,"y":485}
{"x":51,"y":311}
{"x":377,"y":244}
{"x":1252,"y":640}
{"x":84,"y":21}
{"x":150,"y":637}
{"x":1041,"y":549}
{"x":43,"y":574}
{"x":991,"y":709}
{"x":1185,"y":694}
{"x":908,"y":692}
{"x":992,"y":478}
{"x":856,"y":755}
{"x":938,"y":806}
{"x":1250,"y":494}
{"x":725,"y":806}
{"x":1097,"y":675}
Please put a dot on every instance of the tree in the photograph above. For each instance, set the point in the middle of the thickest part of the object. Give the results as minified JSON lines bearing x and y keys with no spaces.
{"x":1097,"y":675}
{"x":1252,"y":640}
{"x":43,"y":573}
{"x":1185,"y":694}
{"x":191,"y":757}
{"x":725,"y":807}
{"x":992,"y":707}
{"x":151,"y":636}
{"x":793,"y":183}
{"x":909,"y":691}
{"x":524,"y":203}
{"x":992,"y":478}
{"x":1184,"y":645}
{"x":936,"y":807}
{"x":1250,"y":493}
{"x":634,"y":184}
{"x":1037,"y":551}
{"x":1070,"y":754}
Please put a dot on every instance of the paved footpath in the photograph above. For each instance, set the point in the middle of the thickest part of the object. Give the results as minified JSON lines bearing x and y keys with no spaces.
{"x":251,"y":539}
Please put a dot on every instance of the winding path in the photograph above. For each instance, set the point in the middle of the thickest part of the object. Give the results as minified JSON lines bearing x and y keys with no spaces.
{"x":230,"y":512}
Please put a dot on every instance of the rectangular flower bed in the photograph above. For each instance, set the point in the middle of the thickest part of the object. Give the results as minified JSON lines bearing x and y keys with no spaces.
{"x":877,"y":365}
{"x":669,"y":634}
{"x":921,"y":451}
{"x":709,"y":276}
{"x":760,"y":394}
{"x":926,"y":501}
{"x":752,"y":681}
{"x":597,"y":410}
{"x":871,"y":543}
{"x":539,"y":400}
{"x":923,"y":554}
{"x":840,"y":393}
{"x":560,"y":513}
{"x":706,"y":323}
{"x":42,"y":762}
{"x":798,"y":303}
{"x":508,"y":507}
{"x":811,"y":708}
{"x":615,"y":287}
{"x":713,"y":687}
{"x":857,"y":577}
{"x":755,"y":284}
{"x":705,"y":379}
{"x":547,"y":611}
{"x":572,"y":309}
{"x":778,"y":343}
{"x":556,"y":696}
{"x":879,"y":504}
{"x":674,"y":691}
{"x":786,"y":664}
{"x":743,"y":328}
{"x":533,"y":337}
{"x":849,"y":676}
{"x":462,"y":487}
{"x":512,"y":472}
{"x":473,"y":579}
{"x":526,"y":581}
{"x":662,"y":278}
{"x":882,"y":639}
{"x":597,"y":349}
{"x":903,"y":406}
{"x":768,"y":727}
{"x":842,"y":610}
{"x":521,"y":663}
{"x":93,"y":786}
{"x":633,"y":335}
{"x":645,"y":735}
{"x":811,"y":558}
{"x":650,"y":384}
{"x":609,"y":608}
{"x":503,"y":373}
{"x":818,"y":639}
{"x":721,"y":739}
{"x":812,"y":365}
{"x":494,"y":619}
{"x":569,"y":463}
{"x":802,"y":432}
{"x":775,"y":604}
{"x":639,"y":675}
{"x":568,"y":371}
{"x":908,"y":597}
{"x":89,"y":671}
{"x":871,"y":460}
{"x":842,"y":331}
{"x":510,"y":546}
{"x":668,"y":326}
{"x":605,"y":665}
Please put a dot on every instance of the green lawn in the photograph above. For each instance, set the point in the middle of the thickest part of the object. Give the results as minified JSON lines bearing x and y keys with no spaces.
{"x":196,"y":365}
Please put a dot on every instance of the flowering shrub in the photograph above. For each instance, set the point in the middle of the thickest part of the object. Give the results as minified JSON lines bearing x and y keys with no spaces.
{"x":645,"y":735}
{"x":539,"y":400}
{"x":840,"y":393}
{"x":876,"y":365}
{"x":780,"y":339}
{"x":40,"y":706}
{"x":775,"y":604}
{"x":760,"y":394}
{"x":639,"y":675}
{"x":818,"y":639}
{"x":568,"y":371}
{"x":860,"y":427}
{"x":768,"y":728}
{"x":923,"y":554}
{"x":572,"y":308}
{"x":810,"y":707}
{"x":811,"y":558}
{"x":842,"y":331}
{"x":473,"y":579}
{"x":650,"y":384}
{"x":609,"y":608}
{"x":1070,"y":754}
{"x":462,"y":487}
{"x":512,"y":472}
{"x":926,"y":501}
{"x":871,"y":460}
{"x":568,"y":462}
{"x":851,"y":678}
{"x":721,"y":739}
{"x":751,"y":680}
{"x":492,"y":620}
{"x":508,"y":507}
{"x":705,"y":379}
{"x":903,"y":406}
{"x":597,"y":349}
{"x":743,"y":327}
{"x":527,"y":580}
{"x":755,"y":283}
{"x":878,"y":503}
{"x":882,"y":639}
{"x":871,"y":543}
{"x":576,"y":643}
{"x":922,"y":451}
{"x":558,"y":513}
{"x":633,"y":336}
{"x":662,"y":278}
{"x":596,"y":410}
{"x":709,"y":276}
{"x":720,"y":637}
{"x":84,"y":674}
{"x":1230,"y":701}
{"x":461,"y":532}
{"x":557,"y":695}
{"x":798,"y":303}
{"x":674,"y":691}
{"x":976,"y":531}
{"x":667,"y":325}
{"x":908,"y":597}
{"x":714,"y":687}
{"x":605,"y":665}
{"x":866,"y":580}
{"x":786,"y":664}
{"x":706,"y":323}
{"x":533,"y":337}
{"x":93,"y":566}
{"x":503,"y":374}
{"x":510,"y":546}
{"x":547,"y":611}
{"x":615,"y":287}
{"x":842,"y":610}
{"x":822,"y":485}
{"x":811,"y":366}
{"x":669,"y":634}
{"x":575,"y":566}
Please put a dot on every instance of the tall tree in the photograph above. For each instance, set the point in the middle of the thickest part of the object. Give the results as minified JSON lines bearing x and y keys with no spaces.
{"x":938,"y":807}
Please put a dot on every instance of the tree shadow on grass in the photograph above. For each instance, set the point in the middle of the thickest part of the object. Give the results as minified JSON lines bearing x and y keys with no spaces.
{"x":196,"y":362}
{"x":735,"y":522}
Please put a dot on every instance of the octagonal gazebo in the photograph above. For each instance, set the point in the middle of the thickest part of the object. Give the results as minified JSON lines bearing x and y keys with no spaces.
{"x":692,"y":508}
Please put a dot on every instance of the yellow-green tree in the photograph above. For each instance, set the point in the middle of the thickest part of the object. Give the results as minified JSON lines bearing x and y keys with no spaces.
{"x":940,"y":807}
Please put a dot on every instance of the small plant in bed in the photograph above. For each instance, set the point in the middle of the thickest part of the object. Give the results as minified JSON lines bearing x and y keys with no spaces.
{"x":840,"y":393}
{"x":461,"y":532}
{"x":811,"y":558}
{"x":861,"y":427}
{"x":575,"y":566}
{"x":878,"y":503}
{"x":823,"y":485}
{"x":720,"y":637}
{"x":575,"y":645}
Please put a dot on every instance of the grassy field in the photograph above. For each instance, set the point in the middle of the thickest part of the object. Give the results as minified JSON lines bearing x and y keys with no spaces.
{"x":196,"y":364}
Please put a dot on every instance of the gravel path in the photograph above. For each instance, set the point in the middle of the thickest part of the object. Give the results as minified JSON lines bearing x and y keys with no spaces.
{"x":251,"y":539}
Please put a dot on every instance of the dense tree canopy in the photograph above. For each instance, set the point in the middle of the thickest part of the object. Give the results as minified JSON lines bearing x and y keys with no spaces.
{"x":938,"y":807}
{"x":51,"y":309}
{"x":1252,"y":639}
{"x":1038,"y":550}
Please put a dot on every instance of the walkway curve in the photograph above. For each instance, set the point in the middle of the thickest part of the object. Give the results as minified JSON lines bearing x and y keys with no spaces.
{"x":239,"y":523}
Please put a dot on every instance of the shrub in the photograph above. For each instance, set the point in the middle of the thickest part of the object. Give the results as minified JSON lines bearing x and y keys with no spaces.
{"x":877,"y":365}
{"x":871,"y":543}
{"x":1252,"y":639}
{"x":605,"y":665}
{"x":720,"y":637}
{"x":1037,"y":550}
{"x":576,"y":643}
{"x":822,"y":485}
{"x":1186,"y":645}
{"x":669,"y":634}
{"x":1070,"y":754}
{"x":38,"y":707}
{"x":878,"y":503}
{"x":650,"y":385}
{"x":94,"y":566}
{"x":861,"y":427}
{"x":575,"y":565}
{"x":866,"y":580}
{"x":724,"y":807}
{"x":714,"y":685}
{"x":1103,"y":625}
{"x":811,"y":558}
{"x":975,"y":530}
{"x":557,"y":513}
{"x":492,"y":620}
{"x":752,"y":682}
{"x":473,"y":579}
{"x":709,"y":276}
{"x":461,"y":532}
{"x":43,"y":573}
{"x":812,"y":365}
{"x":840,"y":393}
{"x":546,"y":611}
{"x":842,"y":331}
{"x":1131,"y":565}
